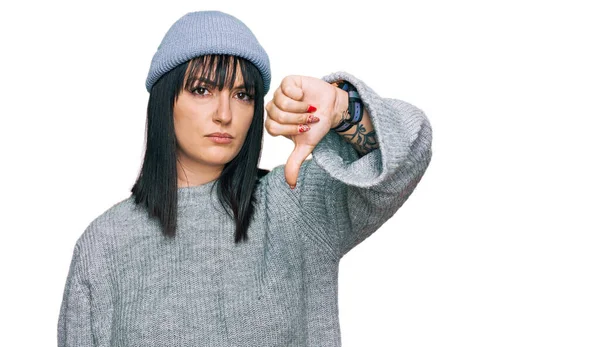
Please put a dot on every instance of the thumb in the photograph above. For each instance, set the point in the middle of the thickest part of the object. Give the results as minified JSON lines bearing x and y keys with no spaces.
{"x":292,"y":167}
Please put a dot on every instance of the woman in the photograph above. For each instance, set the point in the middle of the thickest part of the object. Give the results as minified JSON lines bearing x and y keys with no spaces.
{"x":209,"y":250}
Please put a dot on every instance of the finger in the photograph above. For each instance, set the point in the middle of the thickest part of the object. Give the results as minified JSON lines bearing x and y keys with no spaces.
{"x":275,"y":128}
{"x":291,"y":86}
{"x":292,"y":166}
{"x":288,"y":104}
{"x":269,"y":106}
{"x":290,"y":118}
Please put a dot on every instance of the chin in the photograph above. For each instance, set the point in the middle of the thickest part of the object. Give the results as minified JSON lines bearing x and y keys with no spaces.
{"x":217,"y":155}
{"x":217,"y":161}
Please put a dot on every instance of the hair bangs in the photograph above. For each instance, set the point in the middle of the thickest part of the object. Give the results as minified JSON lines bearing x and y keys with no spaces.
{"x":220,"y":70}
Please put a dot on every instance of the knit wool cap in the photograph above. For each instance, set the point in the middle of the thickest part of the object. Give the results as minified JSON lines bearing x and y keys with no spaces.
{"x":207,"y":32}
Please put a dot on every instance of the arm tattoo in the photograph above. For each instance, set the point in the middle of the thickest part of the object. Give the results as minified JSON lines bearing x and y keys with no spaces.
{"x":362,"y":141}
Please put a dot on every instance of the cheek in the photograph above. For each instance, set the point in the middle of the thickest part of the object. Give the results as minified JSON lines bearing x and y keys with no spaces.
{"x":244,"y":125}
{"x":188,"y":126}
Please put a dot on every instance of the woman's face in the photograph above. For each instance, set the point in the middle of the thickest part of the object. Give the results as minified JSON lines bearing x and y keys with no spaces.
{"x":205,"y":110}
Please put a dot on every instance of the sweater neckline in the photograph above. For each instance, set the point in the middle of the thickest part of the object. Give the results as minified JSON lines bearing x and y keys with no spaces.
{"x":191,"y":194}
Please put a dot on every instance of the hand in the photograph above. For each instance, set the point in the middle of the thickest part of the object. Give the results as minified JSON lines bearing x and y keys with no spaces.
{"x":289,"y":110}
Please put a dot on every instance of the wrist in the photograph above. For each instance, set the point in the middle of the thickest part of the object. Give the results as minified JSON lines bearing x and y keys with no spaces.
{"x":340,"y":108}
{"x":348,"y":107}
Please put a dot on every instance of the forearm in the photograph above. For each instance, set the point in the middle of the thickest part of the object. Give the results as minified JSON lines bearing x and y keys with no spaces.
{"x":361,"y":136}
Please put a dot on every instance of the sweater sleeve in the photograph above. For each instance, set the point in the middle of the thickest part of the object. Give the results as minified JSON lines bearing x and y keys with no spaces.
{"x":348,"y":197}
{"x":74,"y":322}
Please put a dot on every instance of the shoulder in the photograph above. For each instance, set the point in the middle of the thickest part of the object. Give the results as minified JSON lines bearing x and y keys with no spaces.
{"x":274,"y":191}
{"x":118,"y":220}
{"x":105,"y":234}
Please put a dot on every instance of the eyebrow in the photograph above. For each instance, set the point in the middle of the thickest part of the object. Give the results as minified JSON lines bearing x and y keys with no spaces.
{"x":213,"y":83}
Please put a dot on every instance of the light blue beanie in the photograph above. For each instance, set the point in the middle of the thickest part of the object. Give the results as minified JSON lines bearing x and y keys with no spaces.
{"x":207,"y":32}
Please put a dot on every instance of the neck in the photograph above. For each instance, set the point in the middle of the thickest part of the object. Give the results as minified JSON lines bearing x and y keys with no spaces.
{"x":190,"y":174}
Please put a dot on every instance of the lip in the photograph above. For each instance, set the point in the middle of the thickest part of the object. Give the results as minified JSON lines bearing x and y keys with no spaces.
{"x":222,"y":135}
{"x":221,"y":138}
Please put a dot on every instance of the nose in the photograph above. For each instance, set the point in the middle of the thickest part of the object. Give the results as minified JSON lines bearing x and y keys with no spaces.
{"x":223,"y":114}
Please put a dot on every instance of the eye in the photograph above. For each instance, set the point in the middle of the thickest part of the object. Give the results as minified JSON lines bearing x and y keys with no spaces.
{"x":199,"y":91}
{"x":244,"y":96}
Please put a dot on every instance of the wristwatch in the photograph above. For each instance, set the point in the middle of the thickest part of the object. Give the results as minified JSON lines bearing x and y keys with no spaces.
{"x":354,"y":113}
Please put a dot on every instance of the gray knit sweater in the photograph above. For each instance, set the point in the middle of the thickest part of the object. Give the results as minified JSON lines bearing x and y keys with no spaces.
{"x":130,"y":286}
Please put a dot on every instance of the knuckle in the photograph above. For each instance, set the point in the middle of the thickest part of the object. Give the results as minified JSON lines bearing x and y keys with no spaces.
{"x":286,"y":89}
{"x":286,"y":104}
{"x":274,"y":115}
{"x":272,"y":128}
{"x":281,"y":99}
{"x":268,"y":128}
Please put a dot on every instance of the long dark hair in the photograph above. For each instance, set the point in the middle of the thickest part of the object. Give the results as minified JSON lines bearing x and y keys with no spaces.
{"x":156,"y":186}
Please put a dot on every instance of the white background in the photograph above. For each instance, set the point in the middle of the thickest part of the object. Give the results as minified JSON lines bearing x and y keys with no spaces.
{"x":498,"y":245}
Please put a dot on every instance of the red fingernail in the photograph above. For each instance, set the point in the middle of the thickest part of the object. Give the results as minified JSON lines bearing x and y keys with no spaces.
{"x":311,"y":109}
{"x":293,"y":186}
{"x":303,"y":128}
{"x":312,"y":119}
